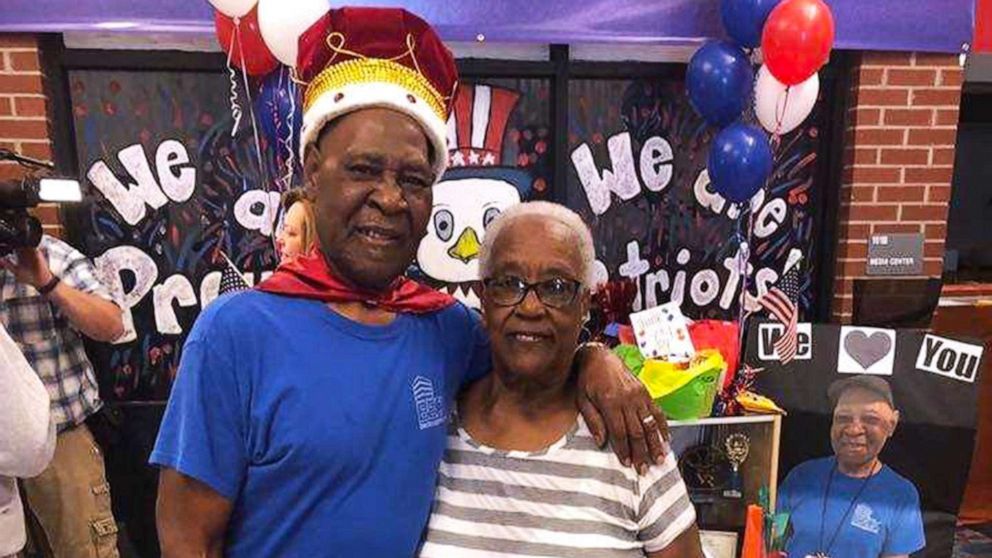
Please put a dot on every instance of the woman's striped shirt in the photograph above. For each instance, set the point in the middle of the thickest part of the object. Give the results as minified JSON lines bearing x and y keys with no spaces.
{"x":572,"y":499}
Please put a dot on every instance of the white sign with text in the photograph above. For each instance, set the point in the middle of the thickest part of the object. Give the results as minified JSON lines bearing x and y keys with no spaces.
{"x":952,"y":359}
{"x":768,"y":334}
{"x":663,"y":332}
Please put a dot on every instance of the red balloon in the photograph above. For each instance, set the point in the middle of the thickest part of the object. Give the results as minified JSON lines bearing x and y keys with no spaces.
{"x":258,"y":59}
{"x":797,"y":39}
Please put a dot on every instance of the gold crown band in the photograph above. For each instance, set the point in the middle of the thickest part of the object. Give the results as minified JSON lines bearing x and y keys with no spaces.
{"x":374,"y":70}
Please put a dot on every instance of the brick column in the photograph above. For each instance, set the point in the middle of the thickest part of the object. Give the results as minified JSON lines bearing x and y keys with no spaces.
{"x":24,"y":115}
{"x":901,"y":127}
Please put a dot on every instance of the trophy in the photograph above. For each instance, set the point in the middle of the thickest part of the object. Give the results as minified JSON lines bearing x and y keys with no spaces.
{"x":705,"y":469}
{"x":738,"y":446}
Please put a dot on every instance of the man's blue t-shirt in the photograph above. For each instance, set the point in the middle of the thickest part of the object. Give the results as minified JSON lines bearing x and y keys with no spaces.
{"x":884,"y":521}
{"x":324,"y":433}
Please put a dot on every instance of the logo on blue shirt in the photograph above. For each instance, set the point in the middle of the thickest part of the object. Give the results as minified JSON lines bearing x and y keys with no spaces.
{"x":430,"y":407}
{"x":864,"y":519}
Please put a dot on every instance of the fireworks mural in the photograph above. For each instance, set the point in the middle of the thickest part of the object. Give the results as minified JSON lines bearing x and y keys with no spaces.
{"x":170,"y":189}
{"x":638,"y":176}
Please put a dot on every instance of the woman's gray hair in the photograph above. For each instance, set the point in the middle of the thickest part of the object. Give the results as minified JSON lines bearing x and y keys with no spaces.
{"x":548,"y":211}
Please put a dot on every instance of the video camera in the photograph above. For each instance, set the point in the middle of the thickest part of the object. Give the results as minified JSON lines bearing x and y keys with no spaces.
{"x":19,"y":229}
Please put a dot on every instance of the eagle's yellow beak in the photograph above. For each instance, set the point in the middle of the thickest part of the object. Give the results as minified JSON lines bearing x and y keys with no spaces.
{"x":467,"y":247}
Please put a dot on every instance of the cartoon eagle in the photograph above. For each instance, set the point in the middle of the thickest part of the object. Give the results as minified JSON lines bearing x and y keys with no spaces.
{"x":472,"y":192}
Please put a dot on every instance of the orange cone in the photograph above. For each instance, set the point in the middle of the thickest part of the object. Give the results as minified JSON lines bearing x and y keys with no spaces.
{"x":754,"y":546}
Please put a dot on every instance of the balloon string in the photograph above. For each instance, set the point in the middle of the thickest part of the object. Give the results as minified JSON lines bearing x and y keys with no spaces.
{"x":780,"y":116}
{"x":287,"y":142}
{"x":745,"y":256}
{"x":254,"y":126}
{"x":232,"y":78}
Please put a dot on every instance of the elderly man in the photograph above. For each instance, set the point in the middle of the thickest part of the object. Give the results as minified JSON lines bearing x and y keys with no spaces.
{"x":852,"y":505}
{"x":308,"y":418}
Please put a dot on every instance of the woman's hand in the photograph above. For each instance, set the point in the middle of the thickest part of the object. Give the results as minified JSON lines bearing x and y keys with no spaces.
{"x":616,"y":405}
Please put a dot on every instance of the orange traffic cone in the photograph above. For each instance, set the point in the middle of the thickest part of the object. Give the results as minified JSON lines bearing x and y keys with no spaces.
{"x":754,"y":539}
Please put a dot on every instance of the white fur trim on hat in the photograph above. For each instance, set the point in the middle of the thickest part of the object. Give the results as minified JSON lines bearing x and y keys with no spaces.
{"x":357,"y":96}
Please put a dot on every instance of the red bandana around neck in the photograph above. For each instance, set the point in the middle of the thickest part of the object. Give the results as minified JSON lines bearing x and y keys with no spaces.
{"x":309,"y":276}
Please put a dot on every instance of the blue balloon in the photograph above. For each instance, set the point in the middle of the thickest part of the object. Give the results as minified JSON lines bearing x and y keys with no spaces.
{"x":744,"y":20}
{"x":740,"y":162}
{"x":278,"y":111}
{"x":719,"y":82}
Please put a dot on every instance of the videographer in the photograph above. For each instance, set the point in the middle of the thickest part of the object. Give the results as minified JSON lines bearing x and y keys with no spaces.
{"x":49,"y":297}
{"x":27,"y":438}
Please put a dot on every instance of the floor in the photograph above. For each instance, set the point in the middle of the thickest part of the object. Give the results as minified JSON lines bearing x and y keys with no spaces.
{"x":973,"y":541}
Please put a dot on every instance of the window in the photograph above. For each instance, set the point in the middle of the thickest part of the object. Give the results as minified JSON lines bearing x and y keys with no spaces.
{"x":968,"y":256}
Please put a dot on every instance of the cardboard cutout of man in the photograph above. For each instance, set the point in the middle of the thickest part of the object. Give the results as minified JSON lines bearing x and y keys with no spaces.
{"x":851,"y":505}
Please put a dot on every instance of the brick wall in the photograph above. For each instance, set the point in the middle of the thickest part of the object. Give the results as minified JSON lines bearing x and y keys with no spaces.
{"x":24,"y":116}
{"x":899,"y":154}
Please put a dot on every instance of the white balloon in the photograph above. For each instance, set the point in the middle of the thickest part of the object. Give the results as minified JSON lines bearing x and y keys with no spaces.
{"x":282,"y":23}
{"x":234,"y":8}
{"x":780,"y":108}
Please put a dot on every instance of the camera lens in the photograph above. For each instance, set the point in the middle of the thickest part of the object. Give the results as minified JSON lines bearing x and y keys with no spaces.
{"x":18,"y":230}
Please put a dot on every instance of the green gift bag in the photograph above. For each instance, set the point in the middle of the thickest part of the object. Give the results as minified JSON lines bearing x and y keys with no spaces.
{"x":631,"y":357}
{"x":685,"y":393}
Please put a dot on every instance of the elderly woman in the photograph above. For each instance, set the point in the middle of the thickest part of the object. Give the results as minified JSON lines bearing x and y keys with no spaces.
{"x":299,"y":230}
{"x":522,"y":475}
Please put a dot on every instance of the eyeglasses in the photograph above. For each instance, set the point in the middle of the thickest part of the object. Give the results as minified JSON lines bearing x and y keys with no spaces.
{"x":508,"y":290}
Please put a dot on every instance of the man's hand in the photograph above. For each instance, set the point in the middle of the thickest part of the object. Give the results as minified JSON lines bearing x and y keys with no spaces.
{"x":615,"y":403}
{"x":191,"y":517}
{"x":94,"y":317}
{"x":686,"y":545}
{"x":31,"y":267}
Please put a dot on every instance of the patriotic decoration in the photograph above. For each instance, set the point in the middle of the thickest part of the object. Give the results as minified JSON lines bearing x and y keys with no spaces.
{"x":479,"y":118}
{"x":231,"y":280}
{"x":393,"y":59}
{"x":781,"y":303}
{"x":727,"y":404}
{"x":477,"y":187}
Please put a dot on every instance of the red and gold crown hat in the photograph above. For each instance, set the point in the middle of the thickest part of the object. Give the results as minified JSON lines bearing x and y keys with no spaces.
{"x":356,"y":58}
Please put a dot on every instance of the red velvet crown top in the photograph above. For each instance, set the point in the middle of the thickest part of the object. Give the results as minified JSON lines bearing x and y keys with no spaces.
{"x":351,"y":45}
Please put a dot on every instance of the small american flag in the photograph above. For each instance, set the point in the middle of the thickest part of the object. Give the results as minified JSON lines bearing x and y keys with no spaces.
{"x":781,"y":301}
{"x":231,"y":280}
